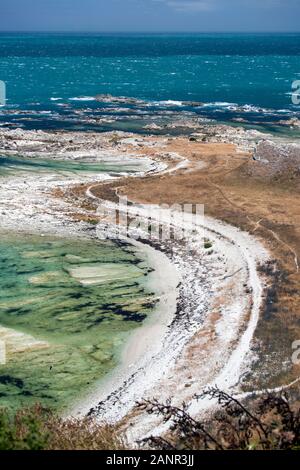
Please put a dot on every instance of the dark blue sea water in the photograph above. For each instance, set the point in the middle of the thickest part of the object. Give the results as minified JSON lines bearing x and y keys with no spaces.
{"x":51,"y":79}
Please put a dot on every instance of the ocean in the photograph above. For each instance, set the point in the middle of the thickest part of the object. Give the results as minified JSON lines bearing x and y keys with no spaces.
{"x":67,"y":308}
{"x":52,"y":79}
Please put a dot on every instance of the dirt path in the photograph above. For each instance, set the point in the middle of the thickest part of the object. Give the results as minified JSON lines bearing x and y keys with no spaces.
{"x":258,"y":224}
{"x":242,"y":253}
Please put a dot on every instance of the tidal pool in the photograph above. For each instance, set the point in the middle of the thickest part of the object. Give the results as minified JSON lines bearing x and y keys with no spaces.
{"x":13,"y":165}
{"x":66,"y":309}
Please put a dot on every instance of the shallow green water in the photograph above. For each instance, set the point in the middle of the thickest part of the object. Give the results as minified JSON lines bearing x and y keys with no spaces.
{"x":16,"y":164}
{"x":78,"y":301}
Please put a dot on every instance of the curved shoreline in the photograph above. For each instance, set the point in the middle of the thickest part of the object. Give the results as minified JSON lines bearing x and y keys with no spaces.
{"x":145,"y":341}
{"x":241,"y":253}
{"x":220,"y":328}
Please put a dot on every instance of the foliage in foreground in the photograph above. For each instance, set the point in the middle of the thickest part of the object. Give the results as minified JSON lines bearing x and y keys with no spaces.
{"x":39,"y":429}
{"x":268,"y":423}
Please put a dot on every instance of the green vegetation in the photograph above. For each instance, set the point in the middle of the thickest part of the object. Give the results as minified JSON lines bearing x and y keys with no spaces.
{"x":39,"y":429}
{"x":207,"y":244}
{"x":268,"y":423}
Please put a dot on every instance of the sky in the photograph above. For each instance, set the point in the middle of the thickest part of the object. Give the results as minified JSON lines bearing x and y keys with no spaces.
{"x":150,"y":15}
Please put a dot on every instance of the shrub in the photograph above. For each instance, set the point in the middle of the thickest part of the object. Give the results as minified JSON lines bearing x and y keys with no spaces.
{"x":269,"y":423}
{"x":23,"y":431}
{"x":207,"y":244}
{"x":39,"y":429}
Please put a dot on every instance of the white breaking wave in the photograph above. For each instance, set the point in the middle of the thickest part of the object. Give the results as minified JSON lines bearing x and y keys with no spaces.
{"x":82,"y":98}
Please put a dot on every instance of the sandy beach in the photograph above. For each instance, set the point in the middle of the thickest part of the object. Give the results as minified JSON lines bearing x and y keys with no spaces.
{"x":146,"y":341}
{"x":210,"y":285}
{"x":225,"y":355}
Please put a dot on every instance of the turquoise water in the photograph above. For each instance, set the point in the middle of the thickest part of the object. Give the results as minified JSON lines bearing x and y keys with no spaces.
{"x":75,"y":302}
{"x":234,"y":75}
{"x":14,"y":165}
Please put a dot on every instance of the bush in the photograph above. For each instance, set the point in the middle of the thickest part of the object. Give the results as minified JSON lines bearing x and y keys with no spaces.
{"x":265,"y":423}
{"x":39,"y":429}
{"x":207,"y":244}
{"x":23,"y":431}
{"x":269,"y":423}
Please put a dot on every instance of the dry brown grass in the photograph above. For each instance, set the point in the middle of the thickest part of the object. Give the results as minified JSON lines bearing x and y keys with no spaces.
{"x":85,"y":434}
{"x":266,"y":207}
{"x":38,"y":429}
{"x":271,"y":422}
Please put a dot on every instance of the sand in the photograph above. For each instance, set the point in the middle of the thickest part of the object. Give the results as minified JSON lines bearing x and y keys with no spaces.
{"x":234,"y":251}
{"x":202,"y":329}
{"x":145,"y":341}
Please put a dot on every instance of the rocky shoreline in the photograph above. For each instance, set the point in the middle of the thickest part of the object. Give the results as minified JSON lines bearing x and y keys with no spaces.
{"x":212,"y":311}
{"x":206,"y":275}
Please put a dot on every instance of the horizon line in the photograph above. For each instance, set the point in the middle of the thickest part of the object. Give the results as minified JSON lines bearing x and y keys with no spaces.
{"x":147,"y":32}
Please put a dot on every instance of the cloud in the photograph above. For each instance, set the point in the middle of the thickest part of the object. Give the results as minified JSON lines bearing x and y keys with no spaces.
{"x":191,"y":5}
{"x":211,"y":5}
